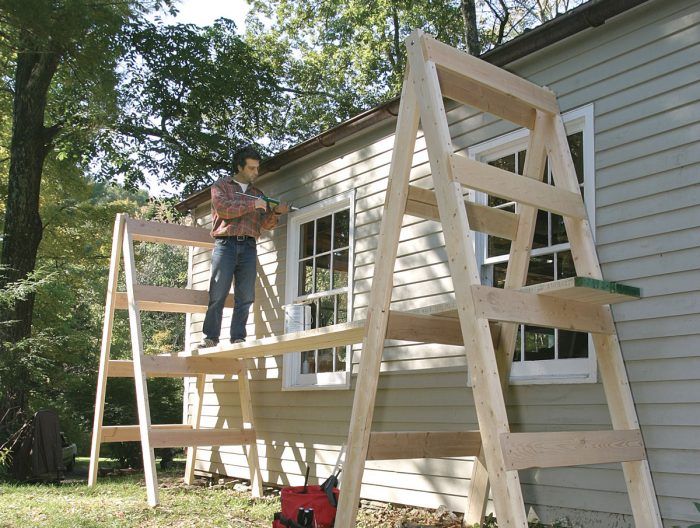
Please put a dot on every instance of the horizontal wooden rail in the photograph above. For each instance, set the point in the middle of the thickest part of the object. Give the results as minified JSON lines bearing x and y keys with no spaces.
{"x":571,"y":448}
{"x":173,"y":367}
{"x":529,"y":308}
{"x":201,"y":437}
{"x":510,"y":186}
{"x":161,"y":299}
{"x":131,"y":433}
{"x":434,"y":444}
{"x":587,"y":290}
{"x":173,"y":234}
{"x":405,"y":326}
{"x":496,"y":222}
{"x":492,"y":78}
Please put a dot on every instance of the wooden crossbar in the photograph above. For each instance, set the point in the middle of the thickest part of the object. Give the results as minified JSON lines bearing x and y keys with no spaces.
{"x":529,"y":308}
{"x":201,"y":437}
{"x":131,"y":433}
{"x":162,"y":299}
{"x":510,"y":186}
{"x":173,"y":234}
{"x":496,"y":222}
{"x":424,"y":328}
{"x":174,"y":367}
{"x":434,"y":444}
{"x":497,"y":81}
{"x":571,"y":448}
{"x":586,"y":289}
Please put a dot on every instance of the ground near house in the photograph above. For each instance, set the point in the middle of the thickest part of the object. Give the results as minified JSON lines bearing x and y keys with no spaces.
{"x":119,"y":501}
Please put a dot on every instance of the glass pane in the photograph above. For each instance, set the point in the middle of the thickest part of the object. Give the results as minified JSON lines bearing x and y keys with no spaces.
{"x":306,"y":239}
{"x":323,"y":273}
{"x":521,"y":161}
{"x":340,"y":359}
{"x":518,"y":345}
{"x":306,"y":272}
{"x":539,"y":343}
{"x":495,"y":201}
{"x":325,"y":360}
{"x":505,"y":163}
{"x":541,"y":230}
{"x":565,"y":265}
{"x":576,"y":147}
{"x":341,"y":235}
{"x":340,"y":269}
{"x":558,"y":230}
{"x":499,"y":274}
{"x":326,"y":311}
{"x":323,"y":234}
{"x":572,"y":344}
{"x":308,"y":362}
{"x":541,"y":269}
{"x":342,"y":309}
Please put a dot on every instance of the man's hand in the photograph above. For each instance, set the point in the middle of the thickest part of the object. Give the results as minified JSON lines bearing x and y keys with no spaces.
{"x":282,"y":208}
{"x":261,"y":204}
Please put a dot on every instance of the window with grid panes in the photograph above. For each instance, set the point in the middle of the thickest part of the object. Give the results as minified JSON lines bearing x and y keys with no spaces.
{"x":321,"y":271}
{"x":540,"y":352}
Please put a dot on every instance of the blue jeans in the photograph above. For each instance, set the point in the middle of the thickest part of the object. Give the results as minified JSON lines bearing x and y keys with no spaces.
{"x":231,"y":259}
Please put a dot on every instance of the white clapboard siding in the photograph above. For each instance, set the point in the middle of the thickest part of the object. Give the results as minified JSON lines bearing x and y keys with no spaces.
{"x":640,"y":72}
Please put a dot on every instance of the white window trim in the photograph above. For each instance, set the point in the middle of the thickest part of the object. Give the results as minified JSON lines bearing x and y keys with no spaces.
{"x":577,"y":120}
{"x":292,"y":379}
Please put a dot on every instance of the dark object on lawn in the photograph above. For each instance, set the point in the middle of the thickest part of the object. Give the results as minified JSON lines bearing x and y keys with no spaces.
{"x":317,"y":504}
{"x":40,"y":455}
{"x":68,"y":452}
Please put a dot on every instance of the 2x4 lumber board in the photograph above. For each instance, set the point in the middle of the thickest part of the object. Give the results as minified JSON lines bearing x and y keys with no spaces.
{"x":433,"y":444}
{"x":325,"y":337}
{"x":177,"y":235}
{"x":533,"y":309}
{"x":195,"y":421}
{"x":378,"y":307}
{"x":162,"y":299}
{"x":249,"y":425}
{"x":488,"y":396}
{"x":404,"y":326}
{"x":130,"y":433}
{"x":174,"y":367}
{"x":571,"y":448}
{"x":645,"y":506}
{"x":493,"y":78}
{"x":496,"y":222}
{"x":586,"y":289}
{"x":117,"y":237}
{"x":510,"y":186}
{"x":201,"y":437}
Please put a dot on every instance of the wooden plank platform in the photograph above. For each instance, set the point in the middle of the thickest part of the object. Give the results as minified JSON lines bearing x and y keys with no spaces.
{"x":173,"y":234}
{"x":587,"y":290}
{"x":174,"y":367}
{"x":433,"y":444}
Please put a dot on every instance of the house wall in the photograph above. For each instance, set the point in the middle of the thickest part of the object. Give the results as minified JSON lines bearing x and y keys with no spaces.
{"x":640,"y":71}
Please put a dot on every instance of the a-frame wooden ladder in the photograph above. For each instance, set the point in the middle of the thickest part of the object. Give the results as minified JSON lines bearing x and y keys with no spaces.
{"x":137,"y":298}
{"x":437,"y":70}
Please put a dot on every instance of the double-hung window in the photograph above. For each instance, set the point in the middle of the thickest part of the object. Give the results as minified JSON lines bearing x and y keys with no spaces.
{"x":319,"y":275}
{"x":542,"y":355}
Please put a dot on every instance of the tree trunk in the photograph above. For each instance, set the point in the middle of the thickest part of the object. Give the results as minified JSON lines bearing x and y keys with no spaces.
{"x":31,"y":142}
{"x":471,"y":31}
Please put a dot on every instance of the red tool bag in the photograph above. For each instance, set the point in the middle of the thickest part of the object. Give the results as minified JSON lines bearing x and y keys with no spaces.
{"x":309,"y":506}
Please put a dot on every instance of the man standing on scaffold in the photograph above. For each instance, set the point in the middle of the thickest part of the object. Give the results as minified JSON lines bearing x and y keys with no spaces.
{"x":239,"y":211}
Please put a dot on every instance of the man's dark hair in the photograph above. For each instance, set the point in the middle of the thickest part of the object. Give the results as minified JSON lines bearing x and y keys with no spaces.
{"x":243,"y":154}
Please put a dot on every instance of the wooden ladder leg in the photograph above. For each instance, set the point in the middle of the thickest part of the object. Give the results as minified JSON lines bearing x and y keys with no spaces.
{"x":516,"y":277}
{"x":196,"y":419}
{"x":488,"y":395}
{"x":256,"y":482}
{"x":144,"y":412}
{"x":640,"y":486}
{"x":378,"y":311}
{"x":105,"y":348}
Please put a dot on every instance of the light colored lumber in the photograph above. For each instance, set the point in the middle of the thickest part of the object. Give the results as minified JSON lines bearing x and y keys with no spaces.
{"x":162,"y":299}
{"x":435,"y":444}
{"x":571,"y":448}
{"x":640,"y":486}
{"x":510,"y":186}
{"x":178,"y":235}
{"x":424,"y":328}
{"x":586,"y":289}
{"x":195,"y":422}
{"x":144,"y":413}
{"x":488,"y":396}
{"x":495,"y":222}
{"x":201,"y":437}
{"x":173,"y":367}
{"x":378,"y":307}
{"x":256,"y":482}
{"x":131,"y":433}
{"x":530,"y":308}
{"x":117,"y":237}
{"x":510,"y":87}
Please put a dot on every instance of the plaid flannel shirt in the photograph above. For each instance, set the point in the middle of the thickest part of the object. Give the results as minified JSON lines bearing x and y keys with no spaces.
{"x":235,"y":215}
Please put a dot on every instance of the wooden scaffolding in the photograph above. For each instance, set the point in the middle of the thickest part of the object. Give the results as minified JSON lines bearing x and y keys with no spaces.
{"x":483,"y":319}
